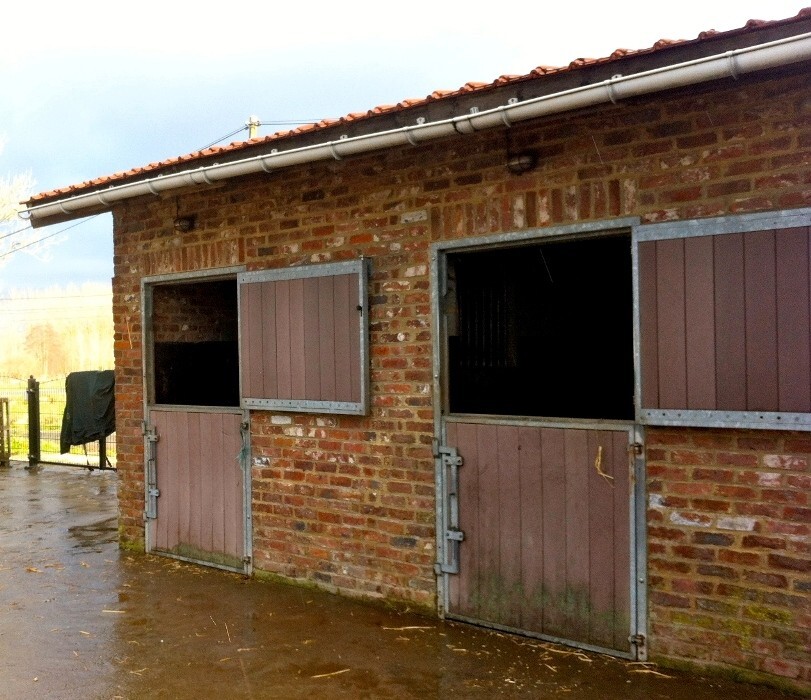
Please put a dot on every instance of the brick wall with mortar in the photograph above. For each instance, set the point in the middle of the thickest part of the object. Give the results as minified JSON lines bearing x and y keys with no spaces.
{"x":348,"y":502}
{"x":192,"y":313}
{"x":729,"y":547}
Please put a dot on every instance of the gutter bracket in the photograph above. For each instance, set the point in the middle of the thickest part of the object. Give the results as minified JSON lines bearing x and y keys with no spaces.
{"x":609,"y":86}
{"x":733,"y":64}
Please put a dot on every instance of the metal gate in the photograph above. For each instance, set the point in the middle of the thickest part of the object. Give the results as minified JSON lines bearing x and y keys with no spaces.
{"x":32,"y":424}
{"x":539,"y":531}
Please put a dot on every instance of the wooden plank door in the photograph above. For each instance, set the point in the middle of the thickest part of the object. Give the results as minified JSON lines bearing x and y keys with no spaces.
{"x":200,"y":513}
{"x":546,"y":517}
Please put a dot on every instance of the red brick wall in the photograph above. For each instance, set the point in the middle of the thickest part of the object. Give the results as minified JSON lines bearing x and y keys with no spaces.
{"x":191,"y":313}
{"x":729,"y":542}
{"x":348,"y":502}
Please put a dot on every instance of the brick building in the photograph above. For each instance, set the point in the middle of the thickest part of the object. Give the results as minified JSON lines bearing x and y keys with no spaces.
{"x":533,"y":354}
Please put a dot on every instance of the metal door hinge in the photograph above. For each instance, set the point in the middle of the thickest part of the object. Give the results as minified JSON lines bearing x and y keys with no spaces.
{"x":636,"y":448}
{"x":152,"y":491}
{"x":451,"y":461}
{"x":639,"y":642}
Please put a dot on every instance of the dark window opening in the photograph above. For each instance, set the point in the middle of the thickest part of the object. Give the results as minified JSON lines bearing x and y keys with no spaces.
{"x":542,"y":330}
{"x":195,"y":344}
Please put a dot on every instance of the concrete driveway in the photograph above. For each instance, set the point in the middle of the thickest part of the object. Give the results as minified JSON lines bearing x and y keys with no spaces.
{"x":80,"y":619}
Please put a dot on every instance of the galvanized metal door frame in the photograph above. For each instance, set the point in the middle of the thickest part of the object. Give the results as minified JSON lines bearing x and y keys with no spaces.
{"x":147,"y":377}
{"x":637,"y":507}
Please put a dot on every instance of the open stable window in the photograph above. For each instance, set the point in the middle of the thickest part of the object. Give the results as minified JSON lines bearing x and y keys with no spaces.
{"x":725,"y":321}
{"x":304,"y":338}
{"x":194,"y":350}
{"x":542,"y":330}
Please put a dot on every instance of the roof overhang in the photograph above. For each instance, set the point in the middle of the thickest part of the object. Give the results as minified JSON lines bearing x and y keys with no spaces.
{"x":518,"y":101}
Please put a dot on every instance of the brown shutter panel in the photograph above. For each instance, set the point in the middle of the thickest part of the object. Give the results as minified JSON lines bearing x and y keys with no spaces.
{"x":725,"y":321}
{"x":304,"y":338}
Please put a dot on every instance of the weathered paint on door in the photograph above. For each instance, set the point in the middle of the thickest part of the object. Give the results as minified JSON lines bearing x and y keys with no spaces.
{"x":200,"y":509}
{"x":547,"y":531}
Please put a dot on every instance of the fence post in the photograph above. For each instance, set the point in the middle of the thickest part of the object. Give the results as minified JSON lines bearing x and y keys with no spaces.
{"x":34,"y":450}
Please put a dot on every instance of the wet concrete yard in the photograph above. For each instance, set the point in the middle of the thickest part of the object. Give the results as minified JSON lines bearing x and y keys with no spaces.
{"x":80,"y":619}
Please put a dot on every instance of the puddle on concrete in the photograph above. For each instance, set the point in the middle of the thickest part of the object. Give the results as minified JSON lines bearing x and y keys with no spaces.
{"x":79,"y":619}
{"x":95,"y":535}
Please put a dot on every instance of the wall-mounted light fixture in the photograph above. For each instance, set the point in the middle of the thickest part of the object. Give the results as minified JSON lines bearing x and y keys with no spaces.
{"x":183,"y":224}
{"x":519,"y":163}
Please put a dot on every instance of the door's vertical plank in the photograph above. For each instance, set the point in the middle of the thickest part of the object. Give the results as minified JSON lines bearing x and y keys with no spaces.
{"x":601,"y":538}
{"x":343,"y":329}
{"x":622,"y":497}
{"x":794,"y":331}
{"x":297,"y":357}
{"x":648,"y":324}
{"x":213,"y":466}
{"x":469,"y":497}
{"x":761,"y":321}
{"x":509,"y":500}
{"x":285,"y":351}
{"x":578,"y":461}
{"x":266,"y":324}
{"x":191,"y":479}
{"x":170,"y":486}
{"x":670,"y":294}
{"x":699,"y":322}
{"x":251,"y":345}
{"x":208,"y":445}
{"x":553,"y":457}
{"x":531,"y":541}
{"x":490,"y":583}
{"x":730,"y":324}
{"x":326,"y":338}
{"x":357,"y":307}
{"x":161,"y":481}
{"x":312,"y":341}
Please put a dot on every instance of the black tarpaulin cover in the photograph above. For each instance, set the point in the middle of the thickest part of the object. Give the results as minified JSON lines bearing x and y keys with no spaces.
{"x":90,"y":408}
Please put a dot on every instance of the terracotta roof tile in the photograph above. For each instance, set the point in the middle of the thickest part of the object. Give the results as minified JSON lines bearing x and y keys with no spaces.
{"x":436,"y":95}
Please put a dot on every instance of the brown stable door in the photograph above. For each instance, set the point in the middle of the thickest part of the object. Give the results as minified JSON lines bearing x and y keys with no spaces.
{"x":545,"y":514}
{"x":196,"y":438}
{"x":536,"y":457}
{"x":199,"y":479}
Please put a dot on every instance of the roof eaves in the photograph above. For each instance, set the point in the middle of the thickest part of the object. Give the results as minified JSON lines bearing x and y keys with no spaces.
{"x":235,"y":149}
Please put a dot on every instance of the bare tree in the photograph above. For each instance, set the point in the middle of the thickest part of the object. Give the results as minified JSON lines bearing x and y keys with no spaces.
{"x":15,"y":233}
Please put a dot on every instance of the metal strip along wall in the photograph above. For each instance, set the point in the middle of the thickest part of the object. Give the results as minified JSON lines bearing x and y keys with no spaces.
{"x":725,"y":321}
{"x":304,"y":338}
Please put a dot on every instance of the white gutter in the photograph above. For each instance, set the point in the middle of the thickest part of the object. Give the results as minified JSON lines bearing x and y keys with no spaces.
{"x":729,"y":64}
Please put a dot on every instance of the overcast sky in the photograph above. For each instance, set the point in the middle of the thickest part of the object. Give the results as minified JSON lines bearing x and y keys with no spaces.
{"x":94,"y":88}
